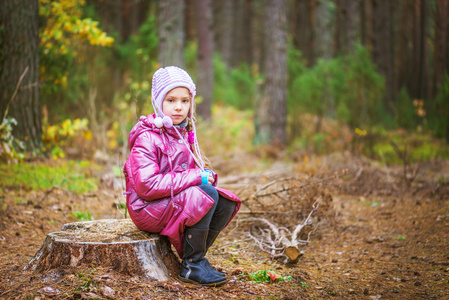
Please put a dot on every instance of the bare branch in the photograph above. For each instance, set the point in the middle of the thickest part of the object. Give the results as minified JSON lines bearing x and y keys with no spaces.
{"x":15,"y":93}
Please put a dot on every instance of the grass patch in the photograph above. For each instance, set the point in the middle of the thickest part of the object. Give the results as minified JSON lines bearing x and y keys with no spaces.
{"x":82,"y":215}
{"x":75,"y":176}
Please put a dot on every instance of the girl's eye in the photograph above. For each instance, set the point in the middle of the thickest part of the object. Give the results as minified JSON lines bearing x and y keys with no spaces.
{"x":186,"y":101}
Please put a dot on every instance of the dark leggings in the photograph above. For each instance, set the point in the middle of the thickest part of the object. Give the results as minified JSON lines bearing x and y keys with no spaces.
{"x":219,"y":214}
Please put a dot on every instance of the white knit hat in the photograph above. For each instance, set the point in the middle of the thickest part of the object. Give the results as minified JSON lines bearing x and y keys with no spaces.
{"x":166,"y":79}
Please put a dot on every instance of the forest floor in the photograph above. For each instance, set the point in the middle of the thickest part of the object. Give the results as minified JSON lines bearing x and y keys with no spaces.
{"x":388,"y":239}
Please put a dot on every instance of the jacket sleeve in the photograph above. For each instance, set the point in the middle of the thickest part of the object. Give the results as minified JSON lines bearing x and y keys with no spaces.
{"x":149,"y":183}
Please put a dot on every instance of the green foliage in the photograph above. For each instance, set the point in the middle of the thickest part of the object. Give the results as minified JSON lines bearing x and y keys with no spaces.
{"x":404,"y":112}
{"x":55,"y":137}
{"x":70,"y":175}
{"x":235,"y":87}
{"x":268,"y":276}
{"x":416,"y":146}
{"x":138,"y":59}
{"x":86,"y":282}
{"x":11,"y":149}
{"x":235,"y":130}
{"x":295,"y":64}
{"x":348,"y":88}
{"x":439,"y":111}
{"x":363,"y":89}
{"x":138,"y":55}
{"x":64,"y":34}
{"x":82,"y":215}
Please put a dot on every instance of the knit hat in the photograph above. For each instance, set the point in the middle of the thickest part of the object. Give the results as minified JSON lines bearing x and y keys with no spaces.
{"x":166,"y":79}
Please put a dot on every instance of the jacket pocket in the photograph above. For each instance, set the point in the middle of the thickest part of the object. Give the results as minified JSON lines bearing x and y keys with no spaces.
{"x":156,"y":208}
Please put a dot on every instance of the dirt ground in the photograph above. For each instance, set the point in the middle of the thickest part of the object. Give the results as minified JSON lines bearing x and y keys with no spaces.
{"x":389,"y":239}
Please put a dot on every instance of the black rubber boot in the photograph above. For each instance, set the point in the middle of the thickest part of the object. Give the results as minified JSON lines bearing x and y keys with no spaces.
{"x":195,"y":267}
{"x":211,"y":237}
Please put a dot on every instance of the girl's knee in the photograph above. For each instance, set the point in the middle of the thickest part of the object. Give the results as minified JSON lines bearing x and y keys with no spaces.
{"x":210,"y":190}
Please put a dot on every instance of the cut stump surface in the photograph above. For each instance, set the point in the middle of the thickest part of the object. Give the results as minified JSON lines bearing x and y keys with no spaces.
{"x":108,"y":243}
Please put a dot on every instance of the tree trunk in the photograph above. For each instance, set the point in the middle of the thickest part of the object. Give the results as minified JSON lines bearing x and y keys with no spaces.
{"x":223,"y":24}
{"x":367,"y":23}
{"x":205,"y":70}
{"x":419,"y":67}
{"x":19,"y":50}
{"x":323,"y":50}
{"x":171,"y":32}
{"x":351,"y":21}
{"x":271,"y":114}
{"x":303,"y":27}
{"x":383,"y":47}
{"x":324,"y":27}
{"x":258,"y":40}
{"x":133,"y":15}
{"x":441,"y":44}
{"x":108,"y":243}
{"x":404,"y":50}
{"x":241,"y":37}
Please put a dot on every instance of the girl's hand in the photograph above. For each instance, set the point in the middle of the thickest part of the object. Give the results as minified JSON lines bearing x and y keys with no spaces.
{"x":211,"y":179}
{"x":207,"y":177}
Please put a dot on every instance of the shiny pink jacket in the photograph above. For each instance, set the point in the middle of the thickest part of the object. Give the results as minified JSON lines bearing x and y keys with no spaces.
{"x":162,"y":193}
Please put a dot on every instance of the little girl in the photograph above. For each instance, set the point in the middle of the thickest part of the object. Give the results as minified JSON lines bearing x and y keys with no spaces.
{"x":168,"y":189}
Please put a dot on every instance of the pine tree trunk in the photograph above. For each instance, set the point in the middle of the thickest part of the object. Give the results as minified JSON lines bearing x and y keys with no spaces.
{"x":441,"y":44}
{"x":241,"y":37}
{"x":351,"y":24}
{"x":419,"y":82}
{"x":303,"y":26}
{"x":271,"y":118}
{"x":383,"y":47}
{"x":223,"y":24}
{"x":205,"y":70}
{"x":171,"y":32}
{"x":116,"y":244}
{"x":19,"y":50}
{"x":322,"y":50}
{"x":403,"y":51}
{"x":324,"y":28}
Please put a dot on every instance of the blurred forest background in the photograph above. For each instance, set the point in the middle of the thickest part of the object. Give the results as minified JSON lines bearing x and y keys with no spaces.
{"x":302,"y":76}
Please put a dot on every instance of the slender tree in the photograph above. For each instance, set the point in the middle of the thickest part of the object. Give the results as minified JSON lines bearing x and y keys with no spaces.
{"x":205,"y":72}
{"x":19,"y":69}
{"x":441,"y":44}
{"x":351,"y":24}
{"x":171,"y":32}
{"x":271,"y":113}
{"x":303,"y":28}
{"x":403,"y":49}
{"x":383,"y":47}
{"x":223,"y":25}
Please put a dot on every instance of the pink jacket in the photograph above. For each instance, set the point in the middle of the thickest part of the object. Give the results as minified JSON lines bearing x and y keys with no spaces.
{"x":162,"y":179}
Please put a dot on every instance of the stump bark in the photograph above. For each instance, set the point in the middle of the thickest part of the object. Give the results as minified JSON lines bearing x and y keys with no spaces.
{"x":108,"y":243}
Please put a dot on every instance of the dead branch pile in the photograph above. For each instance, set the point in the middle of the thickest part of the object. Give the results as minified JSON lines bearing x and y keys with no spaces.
{"x":283,"y":213}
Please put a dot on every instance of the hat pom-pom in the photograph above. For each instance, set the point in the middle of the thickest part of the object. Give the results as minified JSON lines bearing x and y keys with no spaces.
{"x":167,"y":121}
{"x":158,"y":122}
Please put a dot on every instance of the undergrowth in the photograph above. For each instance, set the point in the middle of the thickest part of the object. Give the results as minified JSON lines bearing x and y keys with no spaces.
{"x":74,"y":176}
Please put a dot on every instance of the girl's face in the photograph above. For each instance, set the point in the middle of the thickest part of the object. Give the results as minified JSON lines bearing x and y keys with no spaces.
{"x":176,"y":104}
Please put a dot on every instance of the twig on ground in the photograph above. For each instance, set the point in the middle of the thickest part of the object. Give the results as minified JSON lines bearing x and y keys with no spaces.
{"x":279,"y":241}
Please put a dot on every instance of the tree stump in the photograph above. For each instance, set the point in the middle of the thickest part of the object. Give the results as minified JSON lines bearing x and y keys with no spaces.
{"x":107,"y":243}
